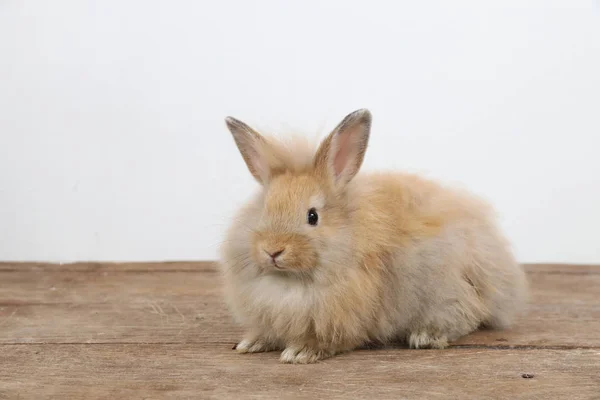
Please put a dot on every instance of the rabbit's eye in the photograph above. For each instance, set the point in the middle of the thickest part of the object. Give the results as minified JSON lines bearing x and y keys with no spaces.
{"x":312,"y":216}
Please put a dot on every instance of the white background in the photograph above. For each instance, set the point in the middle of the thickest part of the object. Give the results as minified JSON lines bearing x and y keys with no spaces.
{"x":113,"y":145}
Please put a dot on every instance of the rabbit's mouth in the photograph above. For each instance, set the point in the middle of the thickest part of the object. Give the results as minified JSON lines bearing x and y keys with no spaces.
{"x":283,"y":253}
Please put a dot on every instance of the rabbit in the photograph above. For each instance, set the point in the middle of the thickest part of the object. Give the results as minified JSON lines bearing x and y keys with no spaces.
{"x":323,"y":260}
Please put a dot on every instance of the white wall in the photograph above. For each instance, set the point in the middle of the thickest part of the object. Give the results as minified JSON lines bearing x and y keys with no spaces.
{"x":113,"y":146}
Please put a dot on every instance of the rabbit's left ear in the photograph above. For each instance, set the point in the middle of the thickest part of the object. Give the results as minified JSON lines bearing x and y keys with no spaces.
{"x":341,"y":154}
{"x":252,"y":146}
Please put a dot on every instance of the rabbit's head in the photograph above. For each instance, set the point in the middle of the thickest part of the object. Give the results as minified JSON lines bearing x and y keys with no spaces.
{"x":303,"y":209}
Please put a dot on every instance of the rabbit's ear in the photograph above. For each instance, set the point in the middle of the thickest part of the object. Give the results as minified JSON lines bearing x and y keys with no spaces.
{"x":252,"y":146}
{"x":341,"y":154}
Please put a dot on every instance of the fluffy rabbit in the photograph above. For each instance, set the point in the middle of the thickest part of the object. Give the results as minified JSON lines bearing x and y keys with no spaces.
{"x":322,"y":260}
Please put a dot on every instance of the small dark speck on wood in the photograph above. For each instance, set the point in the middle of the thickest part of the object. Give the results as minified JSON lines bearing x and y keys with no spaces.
{"x":527,"y":376}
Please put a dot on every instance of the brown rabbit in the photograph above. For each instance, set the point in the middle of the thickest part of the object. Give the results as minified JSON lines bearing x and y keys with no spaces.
{"x":323,"y":260}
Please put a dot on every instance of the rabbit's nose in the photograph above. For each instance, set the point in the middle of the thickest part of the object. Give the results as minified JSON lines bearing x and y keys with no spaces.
{"x":274,"y":254}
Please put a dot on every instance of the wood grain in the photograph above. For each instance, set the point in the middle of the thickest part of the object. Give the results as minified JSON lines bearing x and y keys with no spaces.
{"x":136,"y":371}
{"x":160,"y":330}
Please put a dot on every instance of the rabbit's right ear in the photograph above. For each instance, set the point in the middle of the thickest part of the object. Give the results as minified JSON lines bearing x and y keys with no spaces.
{"x":341,"y":154}
{"x":252,"y":146}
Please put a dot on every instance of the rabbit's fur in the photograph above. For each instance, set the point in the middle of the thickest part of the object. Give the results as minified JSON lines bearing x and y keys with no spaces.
{"x":392,"y":257}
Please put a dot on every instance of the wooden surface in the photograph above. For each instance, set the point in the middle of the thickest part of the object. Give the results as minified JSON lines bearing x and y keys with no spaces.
{"x":161,"y":331}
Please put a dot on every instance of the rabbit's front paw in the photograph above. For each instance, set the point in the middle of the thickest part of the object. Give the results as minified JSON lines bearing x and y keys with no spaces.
{"x":303,"y":355}
{"x":254,"y":345}
{"x":424,"y":340}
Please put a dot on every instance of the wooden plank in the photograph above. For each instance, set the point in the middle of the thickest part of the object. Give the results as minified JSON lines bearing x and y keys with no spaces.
{"x":100,"y":303}
{"x":215,"y":372}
